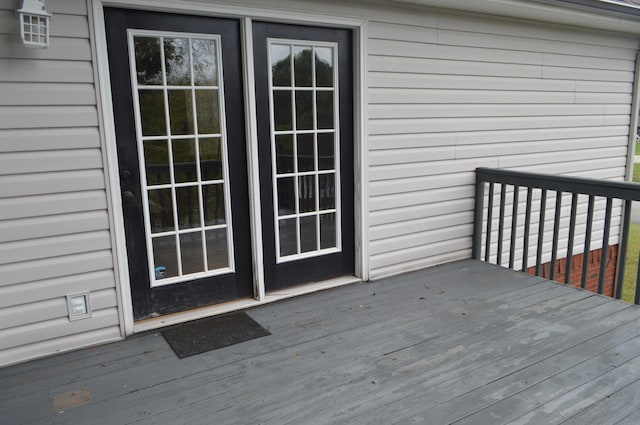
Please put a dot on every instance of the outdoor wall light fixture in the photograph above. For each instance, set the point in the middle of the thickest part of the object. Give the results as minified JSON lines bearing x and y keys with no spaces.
{"x":33,"y":16}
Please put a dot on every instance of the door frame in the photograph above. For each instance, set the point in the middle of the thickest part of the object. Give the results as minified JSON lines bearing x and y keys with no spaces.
{"x":246,"y":15}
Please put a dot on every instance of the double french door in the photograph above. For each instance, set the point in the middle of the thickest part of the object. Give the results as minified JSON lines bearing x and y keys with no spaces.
{"x":182,"y":154}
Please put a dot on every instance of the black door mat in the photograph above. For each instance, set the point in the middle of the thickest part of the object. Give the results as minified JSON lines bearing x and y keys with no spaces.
{"x":200,"y":336}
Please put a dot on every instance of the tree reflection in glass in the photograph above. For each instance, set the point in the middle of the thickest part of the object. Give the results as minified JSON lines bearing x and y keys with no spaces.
{"x":148,"y":60}
{"x":205,"y":67}
{"x":177,"y":79}
{"x":304,"y":137}
{"x":177,"y":63}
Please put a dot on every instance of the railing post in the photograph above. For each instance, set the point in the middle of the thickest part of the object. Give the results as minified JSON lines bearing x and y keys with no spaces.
{"x":527,"y":228}
{"x":477,"y":218}
{"x":636,"y":298}
{"x":605,"y":246}
{"x":622,"y":252}
{"x":503,"y":201}
{"x":514,"y":225}
{"x":587,"y":243}
{"x":543,"y":209}
{"x":487,"y":243}
{"x":556,"y":231}
{"x":572,"y":232}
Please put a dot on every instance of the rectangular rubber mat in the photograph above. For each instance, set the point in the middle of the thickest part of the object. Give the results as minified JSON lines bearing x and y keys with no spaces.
{"x":200,"y":336}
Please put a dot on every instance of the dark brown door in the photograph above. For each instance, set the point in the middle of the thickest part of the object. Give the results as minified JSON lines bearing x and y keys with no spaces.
{"x":178,"y":105}
{"x":304,"y":83}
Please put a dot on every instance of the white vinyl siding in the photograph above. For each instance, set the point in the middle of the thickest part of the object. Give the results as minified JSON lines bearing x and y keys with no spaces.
{"x":54,"y":224}
{"x":449,"y":93}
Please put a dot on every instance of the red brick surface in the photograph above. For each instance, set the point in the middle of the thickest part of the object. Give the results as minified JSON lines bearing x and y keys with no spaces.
{"x":593,"y":270}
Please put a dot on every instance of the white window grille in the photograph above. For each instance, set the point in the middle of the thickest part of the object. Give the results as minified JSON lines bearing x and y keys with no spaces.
{"x":34,"y":23}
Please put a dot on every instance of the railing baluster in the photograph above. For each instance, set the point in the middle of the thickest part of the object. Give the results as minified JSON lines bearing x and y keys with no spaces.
{"x":572,"y":234}
{"x":543,"y":209}
{"x":487,"y":249}
{"x":636,"y":299}
{"x":587,"y":243}
{"x":503,"y":193}
{"x":514,"y":225}
{"x":556,"y":231}
{"x":622,"y":252}
{"x":527,"y":227}
{"x":605,"y":246}
{"x":477,"y":219}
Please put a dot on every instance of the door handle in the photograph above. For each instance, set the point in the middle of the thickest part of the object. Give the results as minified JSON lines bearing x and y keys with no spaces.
{"x":128,"y":196}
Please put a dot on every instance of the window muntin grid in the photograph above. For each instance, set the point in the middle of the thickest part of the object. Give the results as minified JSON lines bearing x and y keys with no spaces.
{"x":35,"y":30}
{"x":303,"y":94}
{"x":180,"y":127}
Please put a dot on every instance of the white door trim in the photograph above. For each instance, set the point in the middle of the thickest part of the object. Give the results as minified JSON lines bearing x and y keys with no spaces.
{"x":103,"y":87}
{"x":251,"y":126}
{"x":245,"y":14}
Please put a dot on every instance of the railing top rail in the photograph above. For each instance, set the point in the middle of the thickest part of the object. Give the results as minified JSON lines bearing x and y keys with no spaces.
{"x":583,"y":185}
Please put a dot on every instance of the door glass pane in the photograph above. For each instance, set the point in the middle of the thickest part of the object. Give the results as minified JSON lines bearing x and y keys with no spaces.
{"x":304,"y":110}
{"x":161,"y":210}
{"x":305,"y":143}
{"x":188,"y":158}
{"x":307,"y":192}
{"x":284,"y":153}
{"x":325,"y":109}
{"x":327,"y":231}
{"x":152,"y":115}
{"x":181,"y":112}
{"x":281,"y":65}
{"x":282,"y":115}
{"x":286,"y":196}
{"x":326,"y":153}
{"x":302,"y":65}
{"x":184,"y":160}
{"x":177,"y":63}
{"x":188,"y":207}
{"x":306,"y":160}
{"x":213,"y":203}
{"x":148,"y":60}
{"x":217,"y":249}
{"x":324,"y":66}
{"x":308,"y":234}
{"x":208,"y":111}
{"x":210,"y":159}
{"x":156,"y":157}
{"x":205,"y":67}
{"x":191,"y":252}
{"x":287,"y":232}
{"x":165,"y":257}
{"x":327,"y":188}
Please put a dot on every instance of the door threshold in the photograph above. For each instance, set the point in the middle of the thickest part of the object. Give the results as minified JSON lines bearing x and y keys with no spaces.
{"x":230,"y":306}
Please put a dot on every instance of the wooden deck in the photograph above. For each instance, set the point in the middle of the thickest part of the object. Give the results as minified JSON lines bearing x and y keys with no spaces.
{"x":464,"y":343}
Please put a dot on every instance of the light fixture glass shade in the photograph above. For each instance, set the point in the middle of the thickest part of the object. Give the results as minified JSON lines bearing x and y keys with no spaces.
{"x":34,"y":23}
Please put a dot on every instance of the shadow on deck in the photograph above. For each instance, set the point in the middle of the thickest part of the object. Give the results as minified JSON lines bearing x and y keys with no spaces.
{"x":466,"y":343}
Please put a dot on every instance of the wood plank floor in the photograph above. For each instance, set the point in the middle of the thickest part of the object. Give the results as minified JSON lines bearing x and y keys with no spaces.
{"x":463,"y":343}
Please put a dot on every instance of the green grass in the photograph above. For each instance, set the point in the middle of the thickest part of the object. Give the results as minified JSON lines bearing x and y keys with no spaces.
{"x":631,"y":267}
{"x":633,"y":250}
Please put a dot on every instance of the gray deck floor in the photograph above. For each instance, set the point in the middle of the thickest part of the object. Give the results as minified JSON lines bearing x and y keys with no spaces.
{"x":464,"y":343}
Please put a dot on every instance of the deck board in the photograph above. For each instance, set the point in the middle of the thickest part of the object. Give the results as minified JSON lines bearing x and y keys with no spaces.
{"x":464,"y":343}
